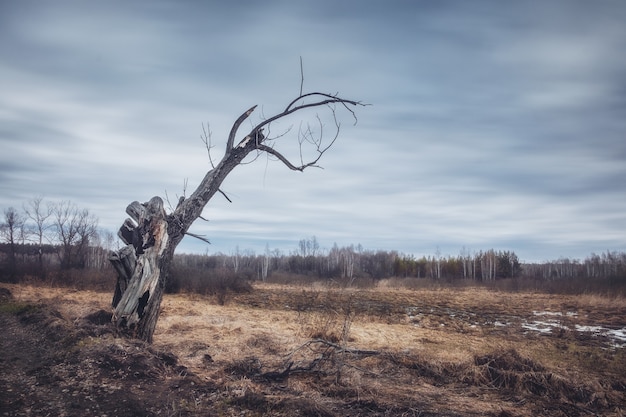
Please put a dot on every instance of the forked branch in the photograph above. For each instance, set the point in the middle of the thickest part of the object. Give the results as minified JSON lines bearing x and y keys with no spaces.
{"x":233,"y":130}
{"x":328,"y":100}
{"x":325,"y":99}
{"x":284,"y":160}
{"x":255,"y":141}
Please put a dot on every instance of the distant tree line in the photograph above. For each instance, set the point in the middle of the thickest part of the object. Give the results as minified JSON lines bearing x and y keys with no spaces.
{"x":44,"y":237}
{"x":606,"y":265}
{"x":349,"y":263}
{"x":41,"y":240}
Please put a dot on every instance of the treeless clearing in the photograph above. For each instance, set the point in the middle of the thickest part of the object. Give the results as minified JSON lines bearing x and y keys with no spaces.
{"x":324,"y":351}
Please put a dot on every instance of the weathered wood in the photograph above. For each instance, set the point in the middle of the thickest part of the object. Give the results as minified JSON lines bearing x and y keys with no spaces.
{"x":124,"y":262}
{"x":128,"y":232}
{"x":136,"y":210}
{"x":144,"y":288}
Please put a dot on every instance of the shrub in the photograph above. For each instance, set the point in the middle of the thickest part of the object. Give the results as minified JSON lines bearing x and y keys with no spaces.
{"x":217,"y":282}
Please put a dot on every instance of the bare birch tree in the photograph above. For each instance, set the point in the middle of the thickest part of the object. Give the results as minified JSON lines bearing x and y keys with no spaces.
{"x":39,"y":215}
{"x":73,"y":227}
{"x":152,"y":235}
{"x":12,"y":231}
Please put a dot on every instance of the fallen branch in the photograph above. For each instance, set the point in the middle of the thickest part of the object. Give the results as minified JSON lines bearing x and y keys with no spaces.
{"x":341,"y":349}
{"x":329,"y":350}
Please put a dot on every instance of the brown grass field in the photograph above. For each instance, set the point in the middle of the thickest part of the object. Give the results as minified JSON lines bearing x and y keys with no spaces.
{"x":316,"y":350}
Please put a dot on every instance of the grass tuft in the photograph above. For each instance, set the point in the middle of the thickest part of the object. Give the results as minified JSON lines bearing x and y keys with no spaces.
{"x":17,"y":308}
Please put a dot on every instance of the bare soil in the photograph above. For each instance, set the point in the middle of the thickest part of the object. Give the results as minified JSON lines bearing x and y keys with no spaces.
{"x":314,"y":351}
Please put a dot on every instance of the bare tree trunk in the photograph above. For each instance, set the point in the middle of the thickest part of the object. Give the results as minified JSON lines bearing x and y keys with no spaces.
{"x":139,"y":266}
{"x":151,"y":236}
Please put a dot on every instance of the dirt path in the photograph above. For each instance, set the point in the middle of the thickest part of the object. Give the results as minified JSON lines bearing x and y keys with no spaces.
{"x":53,"y":367}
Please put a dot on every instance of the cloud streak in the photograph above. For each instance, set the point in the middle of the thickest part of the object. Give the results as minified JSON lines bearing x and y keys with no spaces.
{"x":491,"y":126}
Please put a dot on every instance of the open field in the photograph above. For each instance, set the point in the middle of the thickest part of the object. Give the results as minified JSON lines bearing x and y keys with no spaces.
{"x":318,"y":351}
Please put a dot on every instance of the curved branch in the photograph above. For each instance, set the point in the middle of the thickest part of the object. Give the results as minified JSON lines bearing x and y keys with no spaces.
{"x":286,"y":161}
{"x":328,"y":99}
{"x":233,"y":130}
{"x":192,"y":207}
{"x":331,"y":98}
{"x":280,"y":157}
{"x":200,"y":237}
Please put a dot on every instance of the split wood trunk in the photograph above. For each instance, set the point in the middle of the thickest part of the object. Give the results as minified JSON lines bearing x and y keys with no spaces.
{"x":142,"y":268}
{"x":151,"y":237}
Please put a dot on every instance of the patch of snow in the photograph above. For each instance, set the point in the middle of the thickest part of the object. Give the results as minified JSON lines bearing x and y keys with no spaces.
{"x":542,"y":326}
{"x":618,"y":336}
{"x":547,"y":313}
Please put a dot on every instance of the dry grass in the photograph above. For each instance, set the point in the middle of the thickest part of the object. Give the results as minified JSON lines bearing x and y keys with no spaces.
{"x":431,"y":357}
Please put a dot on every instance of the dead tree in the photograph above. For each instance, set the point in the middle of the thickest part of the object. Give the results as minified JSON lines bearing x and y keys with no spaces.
{"x":151,"y":234}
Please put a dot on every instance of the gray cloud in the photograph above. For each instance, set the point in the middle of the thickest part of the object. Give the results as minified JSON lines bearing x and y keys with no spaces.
{"x":491,"y":126}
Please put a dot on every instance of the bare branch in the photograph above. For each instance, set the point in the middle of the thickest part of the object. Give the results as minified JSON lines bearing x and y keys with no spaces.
{"x":225,"y":196}
{"x":247,"y":162}
{"x":342,"y":349}
{"x":200,"y":237}
{"x":169,"y":204}
{"x":324,"y":360}
{"x":233,"y":131}
{"x":327,"y":99}
{"x":305,"y":135}
{"x":180,"y":198}
{"x":301,"y":77}
{"x":284,"y":133}
{"x":206,"y":138}
{"x":301,"y":137}
{"x":284,"y":160}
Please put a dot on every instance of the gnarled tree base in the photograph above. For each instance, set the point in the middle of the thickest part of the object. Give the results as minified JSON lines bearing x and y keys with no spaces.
{"x":139,"y":266}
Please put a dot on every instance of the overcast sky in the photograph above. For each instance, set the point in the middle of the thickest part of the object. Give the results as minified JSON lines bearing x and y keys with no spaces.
{"x":492,"y":124}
